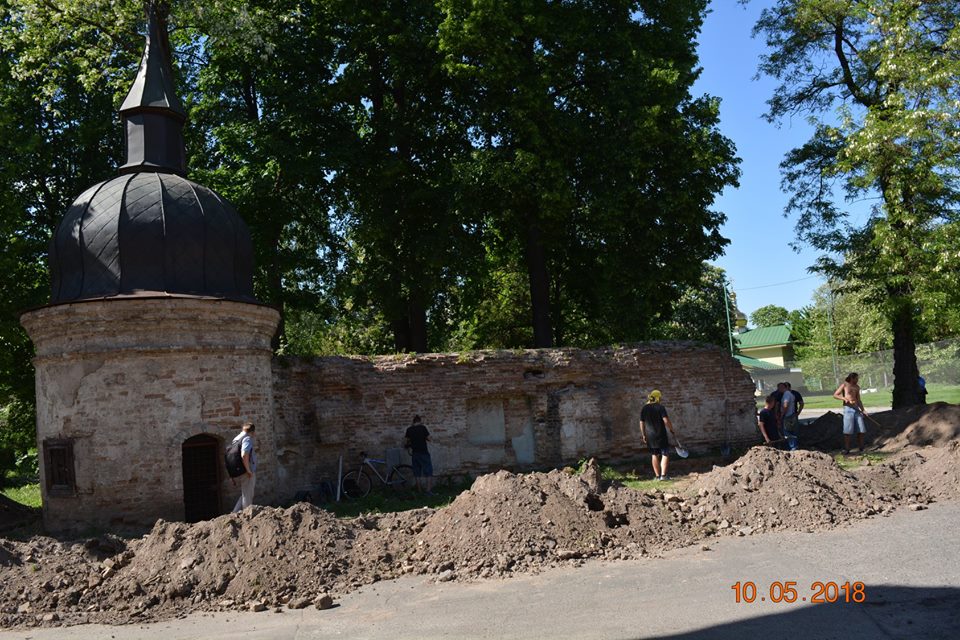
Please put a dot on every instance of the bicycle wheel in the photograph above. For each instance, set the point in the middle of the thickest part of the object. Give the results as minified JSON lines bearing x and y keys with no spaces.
{"x":355,"y":484}
{"x":401,"y":478}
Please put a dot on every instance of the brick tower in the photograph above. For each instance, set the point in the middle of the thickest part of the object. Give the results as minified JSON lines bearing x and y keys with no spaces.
{"x":153,"y":349}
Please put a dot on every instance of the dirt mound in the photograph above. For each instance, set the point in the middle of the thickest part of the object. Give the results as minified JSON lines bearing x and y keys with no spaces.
{"x":824,"y":433}
{"x":506,"y":523}
{"x":771,"y":489}
{"x":922,"y":425}
{"x":13,"y":514}
{"x":919,"y":475}
{"x":935,"y":424}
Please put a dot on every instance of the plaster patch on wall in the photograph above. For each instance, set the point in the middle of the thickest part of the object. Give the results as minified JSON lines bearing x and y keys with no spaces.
{"x":485,"y":422}
{"x":523,"y":446}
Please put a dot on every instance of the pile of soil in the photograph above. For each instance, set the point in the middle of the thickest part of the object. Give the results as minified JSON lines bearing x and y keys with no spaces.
{"x":14,"y":515}
{"x":771,"y":489}
{"x":935,"y":424}
{"x":919,"y":475}
{"x":506,"y":523}
{"x":823,"y":434}
{"x":919,"y":426}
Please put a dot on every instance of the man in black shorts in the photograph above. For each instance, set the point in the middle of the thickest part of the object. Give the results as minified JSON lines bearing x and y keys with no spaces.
{"x":416,"y":439}
{"x":653,"y":428}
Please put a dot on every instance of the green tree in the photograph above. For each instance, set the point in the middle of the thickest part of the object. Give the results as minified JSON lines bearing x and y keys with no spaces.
{"x":395,"y":170}
{"x":879,"y":77}
{"x":769,"y":315}
{"x":595,"y":169}
{"x":263,"y":127}
{"x":54,"y":143}
{"x":700,"y":312}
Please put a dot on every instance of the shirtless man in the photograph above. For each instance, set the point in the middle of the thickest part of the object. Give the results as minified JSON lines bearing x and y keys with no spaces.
{"x":853,"y":411}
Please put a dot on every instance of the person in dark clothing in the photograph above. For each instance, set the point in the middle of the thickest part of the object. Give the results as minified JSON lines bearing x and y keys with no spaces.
{"x":778,"y":399}
{"x":767,"y":420}
{"x":416,"y":439}
{"x":654,"y":424}
{"x":798,"y":399}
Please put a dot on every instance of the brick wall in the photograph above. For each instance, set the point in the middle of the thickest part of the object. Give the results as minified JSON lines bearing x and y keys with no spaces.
{"x":491,"y":410}
{"x":126,"y":382}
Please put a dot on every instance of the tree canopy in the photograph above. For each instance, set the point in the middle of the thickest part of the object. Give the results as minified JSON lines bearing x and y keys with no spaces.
{"x":880,"y":80}
{"x":769,"y":315}
{"x":417,"y":175}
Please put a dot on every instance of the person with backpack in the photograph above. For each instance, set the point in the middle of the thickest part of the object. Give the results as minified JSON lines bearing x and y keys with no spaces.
{"x":248,"y":456}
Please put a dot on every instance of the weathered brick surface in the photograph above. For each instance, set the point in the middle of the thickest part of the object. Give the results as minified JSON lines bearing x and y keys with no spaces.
{"x":535,"y":408}
{"x":128,"y":381}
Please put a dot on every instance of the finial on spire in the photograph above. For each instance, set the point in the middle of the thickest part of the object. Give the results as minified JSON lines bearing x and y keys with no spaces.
{"x":152,"y":113}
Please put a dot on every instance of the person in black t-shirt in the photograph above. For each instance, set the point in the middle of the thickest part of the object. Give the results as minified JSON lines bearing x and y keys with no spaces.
{"x":778,"y":399}
{"x":654,"y":424}
{"x":416,"y":439}
{"x":767,"y":420}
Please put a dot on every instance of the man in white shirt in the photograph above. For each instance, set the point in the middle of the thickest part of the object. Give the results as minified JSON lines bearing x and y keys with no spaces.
{"x":248,"y":481}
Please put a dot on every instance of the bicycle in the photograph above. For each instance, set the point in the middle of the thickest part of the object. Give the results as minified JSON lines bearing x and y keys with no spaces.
{"x":356,"y":484}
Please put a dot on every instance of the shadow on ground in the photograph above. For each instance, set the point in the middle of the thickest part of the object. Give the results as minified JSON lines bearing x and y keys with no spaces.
{"x":887,"y":612}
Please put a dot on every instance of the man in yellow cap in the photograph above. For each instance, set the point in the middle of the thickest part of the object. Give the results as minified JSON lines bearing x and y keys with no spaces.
{"x":653,"y":428}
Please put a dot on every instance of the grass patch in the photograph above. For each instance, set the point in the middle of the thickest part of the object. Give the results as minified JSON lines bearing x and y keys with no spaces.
{"x":22,"y":489}
{"x":849,"y":463}
{"x":630,"y":478}
{"x":943,"y":393}
{"x":882,"y":398}
{"x":381,"y":500}
{"x":28,"y":494}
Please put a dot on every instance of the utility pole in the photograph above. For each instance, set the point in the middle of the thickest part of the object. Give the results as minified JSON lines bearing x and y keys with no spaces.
{"x":726,"y":307}
{"x":833,"y":349}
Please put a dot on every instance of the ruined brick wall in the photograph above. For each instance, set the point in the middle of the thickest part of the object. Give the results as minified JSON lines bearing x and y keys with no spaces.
{"x":126,"y":382}
{"x":492,"y":410}
{"x":129,"y":384}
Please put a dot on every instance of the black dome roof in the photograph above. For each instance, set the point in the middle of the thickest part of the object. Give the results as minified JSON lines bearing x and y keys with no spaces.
{"x":151,"y":232}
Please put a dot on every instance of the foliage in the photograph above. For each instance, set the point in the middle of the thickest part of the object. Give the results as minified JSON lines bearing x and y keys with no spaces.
{"x":417,"y":175}
{"x":594,"y":169}
{"x":769,"y":315}
{"x":888,"y":69}
{"x":699,"y":313}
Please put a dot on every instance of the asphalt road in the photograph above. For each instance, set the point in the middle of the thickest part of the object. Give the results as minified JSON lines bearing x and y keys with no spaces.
{"x":909,"y":563}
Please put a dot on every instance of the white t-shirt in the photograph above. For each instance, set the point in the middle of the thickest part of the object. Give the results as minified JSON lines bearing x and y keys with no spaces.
{"x":247,"y":447}
{"x":790,"y":402}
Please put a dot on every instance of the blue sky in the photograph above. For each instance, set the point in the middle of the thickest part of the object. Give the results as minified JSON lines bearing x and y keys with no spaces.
{"x":759,"y":254}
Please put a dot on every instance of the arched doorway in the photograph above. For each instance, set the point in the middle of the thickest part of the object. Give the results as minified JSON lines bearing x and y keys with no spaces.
{"x":201,"y":478}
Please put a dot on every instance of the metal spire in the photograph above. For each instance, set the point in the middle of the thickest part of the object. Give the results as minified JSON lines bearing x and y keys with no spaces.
{"x":152,"y":114}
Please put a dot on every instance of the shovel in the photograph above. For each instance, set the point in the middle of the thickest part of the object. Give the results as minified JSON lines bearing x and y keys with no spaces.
{"x":681,"y":450}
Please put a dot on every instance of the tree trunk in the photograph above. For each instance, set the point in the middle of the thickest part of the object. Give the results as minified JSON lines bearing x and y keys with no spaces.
{"x":417,"y":323}
{"x":401,"y":334}
{"x":906,"y":386}
{"x":539,"y":286}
